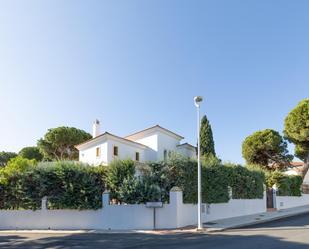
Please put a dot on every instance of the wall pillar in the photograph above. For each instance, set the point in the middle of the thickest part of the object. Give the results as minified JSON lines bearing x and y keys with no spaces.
{"x":176,"y":201}
{"x":105,"y":199}
{"x":44,"y":203}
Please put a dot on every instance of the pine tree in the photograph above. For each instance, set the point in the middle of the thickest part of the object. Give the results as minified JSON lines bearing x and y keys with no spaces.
{"x":207,"y":141}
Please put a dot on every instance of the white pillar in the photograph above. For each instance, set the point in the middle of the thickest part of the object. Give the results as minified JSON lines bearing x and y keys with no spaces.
{"x":176,"y":202}
{"x":44,"y":203}
{"x":105,"y":199}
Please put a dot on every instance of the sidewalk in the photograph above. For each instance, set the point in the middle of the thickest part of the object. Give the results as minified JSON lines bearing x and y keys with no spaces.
{"x":242,"y":221}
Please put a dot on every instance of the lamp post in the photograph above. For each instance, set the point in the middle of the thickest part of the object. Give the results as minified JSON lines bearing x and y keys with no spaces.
{"x":197,"y":101}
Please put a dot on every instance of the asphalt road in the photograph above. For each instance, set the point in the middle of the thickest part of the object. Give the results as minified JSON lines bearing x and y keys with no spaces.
{"x":291,"y":233}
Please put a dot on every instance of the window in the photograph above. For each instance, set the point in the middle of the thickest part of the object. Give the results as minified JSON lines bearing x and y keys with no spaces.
{"x":137,"y":156}
{"x":165,"y":155}
{"x":115,"y":152}
{"x":98,"y":151}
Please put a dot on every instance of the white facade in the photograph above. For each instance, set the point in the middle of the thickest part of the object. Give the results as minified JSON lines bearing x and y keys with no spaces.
{"x":152,"y":144}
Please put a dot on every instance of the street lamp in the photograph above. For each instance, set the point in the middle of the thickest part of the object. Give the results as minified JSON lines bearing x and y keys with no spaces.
{"x":197,"y":101}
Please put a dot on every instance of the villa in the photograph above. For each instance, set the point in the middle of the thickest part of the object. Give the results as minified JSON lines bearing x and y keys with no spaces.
{"x":151,"y":144}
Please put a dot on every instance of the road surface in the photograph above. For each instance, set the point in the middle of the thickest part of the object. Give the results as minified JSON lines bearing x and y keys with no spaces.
{"x":291,"y":233}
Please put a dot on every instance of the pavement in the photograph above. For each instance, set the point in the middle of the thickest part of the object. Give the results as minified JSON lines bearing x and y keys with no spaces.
{"x":287,"y":233}
{"x":249,"y":220}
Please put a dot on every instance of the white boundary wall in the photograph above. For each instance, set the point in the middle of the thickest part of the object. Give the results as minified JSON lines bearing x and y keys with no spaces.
{"x":187,"y":213}
{"x":117,"y":217}
{"x":283,"y":202}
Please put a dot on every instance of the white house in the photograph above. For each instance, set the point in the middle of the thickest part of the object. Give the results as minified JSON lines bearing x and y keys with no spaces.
{"x":151,"y":144}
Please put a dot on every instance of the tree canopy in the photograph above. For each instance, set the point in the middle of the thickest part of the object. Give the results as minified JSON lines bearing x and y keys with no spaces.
{"x":207,"y":141}
{"x":296,"y":130}
{"x":32,"y":152}
{"x":267,"y":149}
{"x":5,"y":157}
{"x":58,"y":143}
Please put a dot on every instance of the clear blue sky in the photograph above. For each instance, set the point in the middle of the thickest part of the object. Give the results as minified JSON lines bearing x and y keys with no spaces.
{"x":133,"y":64}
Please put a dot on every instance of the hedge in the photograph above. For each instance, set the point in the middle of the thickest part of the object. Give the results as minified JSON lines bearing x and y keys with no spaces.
{"x":155,"y":180}
{"x":288,"y":185}
{"x":245,"y":183}
{"x":67,"y":185}
{"x":71,"y":185}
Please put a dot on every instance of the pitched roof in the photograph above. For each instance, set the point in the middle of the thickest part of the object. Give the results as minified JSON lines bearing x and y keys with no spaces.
{"x":155,"y":127}
{"x":187,"y":144}
{"x":296,"y":164}
{"x":108,"y":134}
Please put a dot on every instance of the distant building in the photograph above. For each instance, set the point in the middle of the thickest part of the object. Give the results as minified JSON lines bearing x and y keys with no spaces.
{"x":152,"y":144}
{"x":295,"y":168}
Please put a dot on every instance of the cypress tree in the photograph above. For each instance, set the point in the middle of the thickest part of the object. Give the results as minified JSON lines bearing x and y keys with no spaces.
{"x":207,"y":141}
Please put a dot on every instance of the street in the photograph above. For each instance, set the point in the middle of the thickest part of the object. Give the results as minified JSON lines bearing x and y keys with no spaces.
{"x":288,"y":233}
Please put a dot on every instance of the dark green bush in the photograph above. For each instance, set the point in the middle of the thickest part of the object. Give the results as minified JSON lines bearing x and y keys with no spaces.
{"x":245,"y":183}
{"x":295,"y":185}
{"x":118,"y":171}
{"x":216,"y":178}
{"x":75,"y":186}
{"x":67,"y":185}
{"x":137,"y":190}
{"x":127,"y":187}
{"x":288,"y":185}
{"x":20,"y":191}
{"x":215,"y":183}
{"x":72,"y":186}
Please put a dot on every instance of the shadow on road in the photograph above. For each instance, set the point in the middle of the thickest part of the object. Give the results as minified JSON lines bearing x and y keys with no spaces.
{"x":111,"y":241}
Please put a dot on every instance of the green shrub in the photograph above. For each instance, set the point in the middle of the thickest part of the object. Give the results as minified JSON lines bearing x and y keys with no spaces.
{"x":16,"y":164}
{"x":70,"y":185}
{"x":67,"y":185}
{"x":245,"y":183}
{"x":288,"y":185}
{"x":136,"y":190}
{"x":183,"y":174}
{"x":295,"y":185}
{"x":127,"y":187}
{"x":20,"y":191}
{"x":117,"y":172}
{"x":216,"y":178}
{"x":215,"y":183}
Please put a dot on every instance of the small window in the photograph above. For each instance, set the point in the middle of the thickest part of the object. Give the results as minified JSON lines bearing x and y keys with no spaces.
{"x":165,"y":155}
{"x":98,"y":151}
{"x":115,"y":152}
{"x":137,"y":156}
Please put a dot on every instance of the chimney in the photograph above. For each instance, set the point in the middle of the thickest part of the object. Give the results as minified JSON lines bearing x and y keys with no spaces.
{"x":96,"y":128}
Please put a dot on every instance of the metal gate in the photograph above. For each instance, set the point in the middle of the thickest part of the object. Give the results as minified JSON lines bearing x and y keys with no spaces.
{"x":270,"y":198}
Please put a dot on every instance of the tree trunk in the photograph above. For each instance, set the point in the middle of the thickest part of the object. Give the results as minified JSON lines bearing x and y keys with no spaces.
{"x":306,"y":167}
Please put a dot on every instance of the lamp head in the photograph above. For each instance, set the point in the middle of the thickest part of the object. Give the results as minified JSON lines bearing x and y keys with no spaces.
{"x":198,"y":100}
